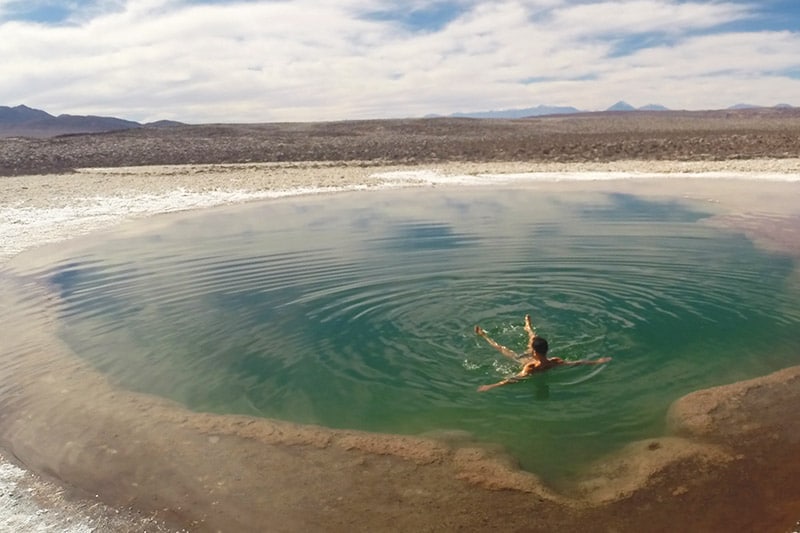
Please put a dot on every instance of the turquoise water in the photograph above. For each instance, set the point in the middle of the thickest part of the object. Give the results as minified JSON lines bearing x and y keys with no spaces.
{"x":356,"y":310}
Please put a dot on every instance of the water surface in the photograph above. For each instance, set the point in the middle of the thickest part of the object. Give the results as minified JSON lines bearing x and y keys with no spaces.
{"x":356,"y":311}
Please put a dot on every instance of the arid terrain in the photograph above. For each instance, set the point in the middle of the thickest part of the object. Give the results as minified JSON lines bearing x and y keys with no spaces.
{"x":607,"y":136}
{"x":730,"y":456}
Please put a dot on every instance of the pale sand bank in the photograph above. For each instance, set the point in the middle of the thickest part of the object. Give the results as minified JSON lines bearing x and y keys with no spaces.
{"x":240,"y":473}
{"x":48,"y":208}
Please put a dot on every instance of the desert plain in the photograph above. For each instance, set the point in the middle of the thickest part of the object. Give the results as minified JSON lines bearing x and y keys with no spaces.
{"x":729,"y":462}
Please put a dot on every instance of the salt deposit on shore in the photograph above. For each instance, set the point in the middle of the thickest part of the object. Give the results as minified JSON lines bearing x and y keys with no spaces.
{"x":35,"y":210}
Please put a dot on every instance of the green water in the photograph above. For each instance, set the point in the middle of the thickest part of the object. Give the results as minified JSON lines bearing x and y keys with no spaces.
{"x":357,"y":311}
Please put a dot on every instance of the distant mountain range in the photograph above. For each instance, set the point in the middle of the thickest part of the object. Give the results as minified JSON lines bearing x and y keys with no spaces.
{"x":543,"y":110}
{"x":23,"y":121}
{"x":625,"y":106}
{"x":537,"y":111}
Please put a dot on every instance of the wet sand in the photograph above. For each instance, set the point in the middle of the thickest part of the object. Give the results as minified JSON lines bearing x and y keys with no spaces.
{"x":729,"y":462}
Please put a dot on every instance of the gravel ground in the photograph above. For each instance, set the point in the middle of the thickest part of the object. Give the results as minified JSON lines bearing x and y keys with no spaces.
{"x":662,"y":135}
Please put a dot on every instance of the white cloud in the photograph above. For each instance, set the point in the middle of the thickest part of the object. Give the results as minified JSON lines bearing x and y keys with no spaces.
{"x":323,"y":60}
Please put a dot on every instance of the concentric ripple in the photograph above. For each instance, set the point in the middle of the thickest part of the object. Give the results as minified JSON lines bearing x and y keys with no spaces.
{"x":357,"y":311}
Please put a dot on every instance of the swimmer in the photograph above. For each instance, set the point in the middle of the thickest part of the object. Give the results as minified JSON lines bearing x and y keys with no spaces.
{"x":534,"y":359}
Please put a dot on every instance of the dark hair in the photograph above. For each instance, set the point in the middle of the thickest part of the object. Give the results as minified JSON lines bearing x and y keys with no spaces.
{"x":540,"y":345}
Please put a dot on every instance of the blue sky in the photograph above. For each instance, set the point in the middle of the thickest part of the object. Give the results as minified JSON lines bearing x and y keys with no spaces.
{"x":287,"y":60}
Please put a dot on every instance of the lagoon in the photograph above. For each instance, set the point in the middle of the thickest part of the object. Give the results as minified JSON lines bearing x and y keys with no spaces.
{"x":356,"y":311}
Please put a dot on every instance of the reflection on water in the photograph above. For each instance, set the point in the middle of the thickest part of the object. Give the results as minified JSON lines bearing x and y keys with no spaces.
{"x":356,"y":311}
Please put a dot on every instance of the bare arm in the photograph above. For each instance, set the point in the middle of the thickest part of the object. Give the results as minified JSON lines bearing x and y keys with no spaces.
{"x":530,"y":331}
{"x":499,"y":347}
{"x":524,"y":373}
{"x":507,"y":381}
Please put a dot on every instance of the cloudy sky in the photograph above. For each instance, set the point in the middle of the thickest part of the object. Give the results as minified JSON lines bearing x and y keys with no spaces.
{"x":300,"y":60}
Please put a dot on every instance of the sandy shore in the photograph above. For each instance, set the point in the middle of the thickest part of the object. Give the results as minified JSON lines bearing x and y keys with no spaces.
{"x":730,"y":462}
{"x":48,"y":208}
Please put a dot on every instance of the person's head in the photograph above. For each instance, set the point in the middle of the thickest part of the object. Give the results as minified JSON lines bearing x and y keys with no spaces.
{"x":540,"y":346}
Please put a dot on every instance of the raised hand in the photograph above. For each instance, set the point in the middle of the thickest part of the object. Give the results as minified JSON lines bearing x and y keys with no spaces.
{"x":529,"y":325}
